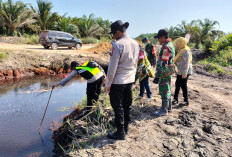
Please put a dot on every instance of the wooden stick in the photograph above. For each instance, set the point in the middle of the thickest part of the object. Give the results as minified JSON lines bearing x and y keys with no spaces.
{"x":45,"y":109}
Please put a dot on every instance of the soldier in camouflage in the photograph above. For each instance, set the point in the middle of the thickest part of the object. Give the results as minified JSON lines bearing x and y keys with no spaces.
{"x":164,"y":71}
{"x":150,"y":50}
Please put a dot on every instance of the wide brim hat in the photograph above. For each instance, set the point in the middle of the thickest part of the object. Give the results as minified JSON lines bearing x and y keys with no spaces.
{"x":118,"y":25}
{"x":162,"y":32}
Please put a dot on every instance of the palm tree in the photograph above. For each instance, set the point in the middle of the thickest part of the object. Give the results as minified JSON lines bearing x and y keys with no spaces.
{"x":105,"y":27}
{"x":45,"y":18}
{"x":65,"y":25}
{"x":182,"y":29}
{"x":195,"y":32}
{"x":88,"y":26}
{"x":207,"y":26}
{"x":173,"y":33}
{"x":15,"y":15}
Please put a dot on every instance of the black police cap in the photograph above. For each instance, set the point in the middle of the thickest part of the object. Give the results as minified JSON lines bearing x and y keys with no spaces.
{"x":162,"y":32}
{"x":118,"y":25}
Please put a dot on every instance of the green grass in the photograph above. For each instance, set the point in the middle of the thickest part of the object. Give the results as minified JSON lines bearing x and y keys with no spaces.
{"x":212,"y":67}
{"x":89,"y":40}
{"x":89,"y":141}
{"x":92,"y":40}
{"x":3,"y":55}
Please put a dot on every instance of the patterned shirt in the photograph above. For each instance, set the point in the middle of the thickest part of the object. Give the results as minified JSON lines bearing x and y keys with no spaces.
{"x":184,"y":65}
{"x":166,"y":58}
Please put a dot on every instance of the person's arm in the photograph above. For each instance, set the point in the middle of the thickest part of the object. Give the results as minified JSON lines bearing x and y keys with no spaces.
{"x":68,"y":78}
{"x":114,"y":59}
{"x":154,"y":50}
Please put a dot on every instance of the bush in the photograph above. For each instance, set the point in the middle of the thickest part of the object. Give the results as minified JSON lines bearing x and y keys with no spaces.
{"x":208,"y":45}
{"x":89,"y":40}
{"x":221,"y":52}
{"x":224,"y":43}
{"x":191,"y":45}
{"x":212,"y":67}
{"x":104,"y":39}
{"x":32,"y":39}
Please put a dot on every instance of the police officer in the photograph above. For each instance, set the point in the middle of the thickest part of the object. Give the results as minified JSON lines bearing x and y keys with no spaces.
{"x":93,"y":73}
{"x":165,"y":60}
{"x":121,"y":76}
{"x":150,"y":50}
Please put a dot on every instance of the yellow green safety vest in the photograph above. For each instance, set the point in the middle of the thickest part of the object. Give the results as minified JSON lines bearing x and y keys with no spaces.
{"x":93,"y":71}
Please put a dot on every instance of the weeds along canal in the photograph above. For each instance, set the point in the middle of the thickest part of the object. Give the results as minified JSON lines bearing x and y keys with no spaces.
{"x":22,"y":104}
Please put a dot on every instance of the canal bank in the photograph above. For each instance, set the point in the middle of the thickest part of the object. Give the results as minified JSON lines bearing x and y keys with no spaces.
{"x":30,"y":60}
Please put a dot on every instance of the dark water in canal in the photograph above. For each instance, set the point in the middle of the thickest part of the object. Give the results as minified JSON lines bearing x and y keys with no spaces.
{"x":22,"y":105}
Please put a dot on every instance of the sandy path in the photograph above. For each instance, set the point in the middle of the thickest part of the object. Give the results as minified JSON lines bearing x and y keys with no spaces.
{"x":40,"y":49}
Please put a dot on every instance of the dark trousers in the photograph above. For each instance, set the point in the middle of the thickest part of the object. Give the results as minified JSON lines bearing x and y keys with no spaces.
{"x":121,"y":100}
{"x":181,"y":83}
{"x":93,"y":91}
{"x":144,"y":84}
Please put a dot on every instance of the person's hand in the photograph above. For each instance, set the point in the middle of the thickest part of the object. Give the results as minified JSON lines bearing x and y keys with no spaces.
{"x":104,"y":81}
{"x":107,"y":89}
{"x":184,"y":76}
{"x":156,"y":80}
{"x":55,"y":85}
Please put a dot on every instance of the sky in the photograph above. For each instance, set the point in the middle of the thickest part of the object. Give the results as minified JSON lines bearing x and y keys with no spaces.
{"x":148,"y":16}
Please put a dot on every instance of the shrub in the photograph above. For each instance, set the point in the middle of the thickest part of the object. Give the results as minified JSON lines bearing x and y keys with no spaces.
{"x":214,"y":68}
{"x":208,"y":45}
{"x":89,"y":40}
{"x":32,"y":39}
{"x":191,"y":45}
{"x":221,"y":51}
{"x":223,"y":43}
{"x":105,"y":39}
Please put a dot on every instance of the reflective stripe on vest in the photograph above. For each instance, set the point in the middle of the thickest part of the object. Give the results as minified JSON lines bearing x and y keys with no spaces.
{"x":93,"y":71}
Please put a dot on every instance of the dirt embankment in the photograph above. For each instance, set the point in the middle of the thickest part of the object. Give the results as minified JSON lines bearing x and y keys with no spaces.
{"x":20,"y":60}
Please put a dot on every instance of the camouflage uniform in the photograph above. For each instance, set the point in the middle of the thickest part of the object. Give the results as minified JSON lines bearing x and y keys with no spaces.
{"x":150,"y":48}
{"x":166,"y":58}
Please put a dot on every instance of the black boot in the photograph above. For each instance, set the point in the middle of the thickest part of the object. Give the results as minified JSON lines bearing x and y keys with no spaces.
{"x":186,"y":102}
{"x":175,"y":101}
{"x":126,"y":126}
{"x":170,"y":104}
{"x":118,"y":135}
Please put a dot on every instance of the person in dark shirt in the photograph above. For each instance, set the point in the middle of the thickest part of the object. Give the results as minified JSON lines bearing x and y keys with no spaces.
{"x":150,"y":50}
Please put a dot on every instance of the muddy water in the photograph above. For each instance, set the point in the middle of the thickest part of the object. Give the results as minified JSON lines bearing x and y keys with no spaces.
{"x":22,"y":104}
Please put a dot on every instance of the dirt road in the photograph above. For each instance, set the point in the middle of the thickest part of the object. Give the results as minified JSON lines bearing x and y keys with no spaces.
{"x":24,"y":56}
{"x":40,"y":48}
{"x":201,"y":129}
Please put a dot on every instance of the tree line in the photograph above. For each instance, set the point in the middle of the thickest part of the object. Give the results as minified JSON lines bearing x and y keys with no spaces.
{"x":18,"y":18}
{"x":203,"y":32}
